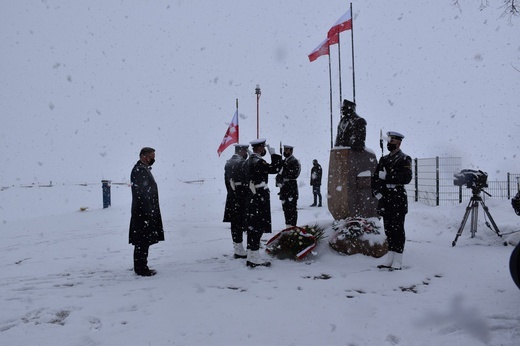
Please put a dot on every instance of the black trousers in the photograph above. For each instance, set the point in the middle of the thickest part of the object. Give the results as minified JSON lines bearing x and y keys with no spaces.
{"x":237,"y":232}
{"x":317,"y":193}
{"x":141,"y":257}
{"x":394,"y":230}
{"x":290,"y":211}
{"x":253,"y":240}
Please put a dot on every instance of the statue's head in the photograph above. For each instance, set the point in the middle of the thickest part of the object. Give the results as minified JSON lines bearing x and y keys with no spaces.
{"x":348,"y":107}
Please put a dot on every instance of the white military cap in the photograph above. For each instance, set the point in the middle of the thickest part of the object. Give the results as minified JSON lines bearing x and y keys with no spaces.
{"x":257,"y":142}
{"x":394,"y":135}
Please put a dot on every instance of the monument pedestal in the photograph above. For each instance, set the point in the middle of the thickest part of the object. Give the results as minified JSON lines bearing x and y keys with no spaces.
{"x":349,"y":183}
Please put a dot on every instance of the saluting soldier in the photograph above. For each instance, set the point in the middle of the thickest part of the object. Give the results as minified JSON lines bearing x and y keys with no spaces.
{"x":286,"y":180}
{"x":392,"y":173}
{"x":258,"y":209}
{"x":237,"y":193}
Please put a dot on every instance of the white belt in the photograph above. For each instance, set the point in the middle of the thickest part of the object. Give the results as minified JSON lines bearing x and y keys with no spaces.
{"x":238,"y":184}
{"x":393,"y":186}
{"x":261,"y":186}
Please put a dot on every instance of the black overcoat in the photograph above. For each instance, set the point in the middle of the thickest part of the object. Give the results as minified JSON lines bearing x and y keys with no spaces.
{"x":398,"y":169}
{"x":146,"y":225}
{"x":316,"y":173}
{"x":258,"y":209}
{"x":234,"y":211}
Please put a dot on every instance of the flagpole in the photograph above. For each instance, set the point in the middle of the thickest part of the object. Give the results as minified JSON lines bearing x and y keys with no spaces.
{"x":238,"y":129}
{"x":339,"y":58}
{"x":353,"y":70}
{"x":330,"y":102}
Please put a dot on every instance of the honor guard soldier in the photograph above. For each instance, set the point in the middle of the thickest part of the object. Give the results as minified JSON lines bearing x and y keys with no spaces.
{"x":286,"y":180}
{"x":392,"y":173}
{"x":258,"y":208}
{"x":237,"y":193}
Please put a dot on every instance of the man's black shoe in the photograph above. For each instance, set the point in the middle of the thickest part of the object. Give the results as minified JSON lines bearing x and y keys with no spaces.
{"x":253,"y":265}
{"x":146,"y":272}
{"x":312,"y":205}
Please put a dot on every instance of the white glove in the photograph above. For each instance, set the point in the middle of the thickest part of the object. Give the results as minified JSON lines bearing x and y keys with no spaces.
{"x":379,"y":195}
{"x":382,"y":174}
{"x":232,"y":184}
{"x":271,"y":150}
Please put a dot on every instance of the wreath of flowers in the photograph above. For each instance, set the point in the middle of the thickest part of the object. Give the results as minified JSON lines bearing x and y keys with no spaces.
{"x":354,"y":227}
{"x":295,"y":242}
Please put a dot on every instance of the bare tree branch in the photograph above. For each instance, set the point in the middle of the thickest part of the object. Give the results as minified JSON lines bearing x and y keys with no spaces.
{"x":514,"y":67}
{"x":511,"y":8}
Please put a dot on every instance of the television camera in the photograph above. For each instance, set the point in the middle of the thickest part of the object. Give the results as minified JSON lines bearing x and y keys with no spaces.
{"x":476,"y":181}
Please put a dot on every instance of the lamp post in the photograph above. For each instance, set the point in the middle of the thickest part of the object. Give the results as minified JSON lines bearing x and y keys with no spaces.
{"x":258,"y":93}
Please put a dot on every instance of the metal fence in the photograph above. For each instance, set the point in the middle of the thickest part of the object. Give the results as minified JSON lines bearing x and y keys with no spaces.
{"x":432,"y":183}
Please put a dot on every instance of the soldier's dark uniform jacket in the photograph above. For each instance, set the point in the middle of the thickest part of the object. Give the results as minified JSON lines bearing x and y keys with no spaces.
{"x":398,"y":169}
{"x":259,"y":207}
{"x":237,"y":192}
{"x":286,"y":179}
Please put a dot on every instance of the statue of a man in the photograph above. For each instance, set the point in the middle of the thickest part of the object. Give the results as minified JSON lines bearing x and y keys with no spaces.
{"x":351,"y":128}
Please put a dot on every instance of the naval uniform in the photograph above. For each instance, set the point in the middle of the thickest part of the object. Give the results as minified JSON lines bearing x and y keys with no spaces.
{"x":237,"y":193}
{"x":258,"y":207}
{"x":393,"y":205}
{"x":287,"y":181}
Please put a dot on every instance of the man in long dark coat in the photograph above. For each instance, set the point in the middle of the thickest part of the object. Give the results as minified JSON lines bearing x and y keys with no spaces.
{"x":351,"y":128}
{"x":237,"y":188}
{"x":316,"y":173}
{"x":146,"y":227}
{"x":258,"y":208}
{"x":286,"y":180}
{"x":392,"y":173}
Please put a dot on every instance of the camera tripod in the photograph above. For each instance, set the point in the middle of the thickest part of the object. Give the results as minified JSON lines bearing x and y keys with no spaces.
{"x":473,"y":209}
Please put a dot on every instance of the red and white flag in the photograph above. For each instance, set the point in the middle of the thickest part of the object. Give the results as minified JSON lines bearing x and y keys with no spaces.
{"x":342,"y":24}
{"x":231,"y":135}
{"x":322,"y":49}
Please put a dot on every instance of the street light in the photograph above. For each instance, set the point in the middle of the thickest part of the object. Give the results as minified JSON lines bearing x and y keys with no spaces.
{"x":258,"y":93}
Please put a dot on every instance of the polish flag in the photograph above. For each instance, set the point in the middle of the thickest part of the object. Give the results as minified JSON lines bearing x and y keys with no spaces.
{"x":322,"y":49}
{"x":342,"y":24}
{"x":231,"y":135}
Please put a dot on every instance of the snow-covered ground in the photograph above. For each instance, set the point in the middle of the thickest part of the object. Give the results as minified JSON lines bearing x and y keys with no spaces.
{"x":67,"y":277}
